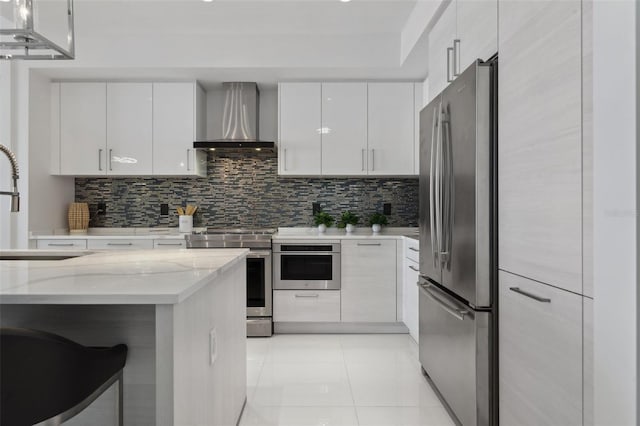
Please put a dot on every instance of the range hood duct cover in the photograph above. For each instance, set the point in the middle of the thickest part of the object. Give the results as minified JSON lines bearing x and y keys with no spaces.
{"x":240,"y":120}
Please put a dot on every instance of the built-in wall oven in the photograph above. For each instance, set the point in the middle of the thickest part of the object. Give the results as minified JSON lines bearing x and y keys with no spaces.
{"x":259,"y":270}
{"x":306,"y":265}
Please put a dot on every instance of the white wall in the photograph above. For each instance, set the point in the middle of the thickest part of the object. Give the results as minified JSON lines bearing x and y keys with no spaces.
{"x":14,"y":134}
{"x":49,"y":196}
{"x":615,"y":216}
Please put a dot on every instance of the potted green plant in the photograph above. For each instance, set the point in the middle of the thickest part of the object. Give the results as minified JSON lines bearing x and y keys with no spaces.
{"x":349,"y":221}
{"x":323,"y":220}
{"x":376,"y":221}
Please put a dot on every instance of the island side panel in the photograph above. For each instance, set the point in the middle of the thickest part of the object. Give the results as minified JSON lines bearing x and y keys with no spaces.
{"x":209,"y":351}
{"x":103,"y":325}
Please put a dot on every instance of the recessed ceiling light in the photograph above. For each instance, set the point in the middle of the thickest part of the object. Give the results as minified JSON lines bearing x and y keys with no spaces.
{"x":345,"y":1}
{"x":207,"y":1}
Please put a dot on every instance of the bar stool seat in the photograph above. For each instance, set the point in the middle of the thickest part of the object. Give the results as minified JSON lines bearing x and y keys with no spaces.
{"x":47,"y":379}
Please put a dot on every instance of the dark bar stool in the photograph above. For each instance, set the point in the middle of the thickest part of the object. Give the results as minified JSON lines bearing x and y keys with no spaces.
{"x":47,"y":379}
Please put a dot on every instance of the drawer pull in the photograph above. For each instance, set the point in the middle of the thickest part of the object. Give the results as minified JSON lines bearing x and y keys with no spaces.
{"x":414,"y":249}
{"x":60,"y":244}
{"x":119,"y":244}
{"x":307,"y":295}
{"x":530,"y":295}
{"x":413,"y":268}
{"x":169,"y":244}
{"x":369,"y":244}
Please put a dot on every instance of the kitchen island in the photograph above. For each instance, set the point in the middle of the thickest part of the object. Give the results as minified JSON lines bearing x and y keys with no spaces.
{"x":180,"y":312}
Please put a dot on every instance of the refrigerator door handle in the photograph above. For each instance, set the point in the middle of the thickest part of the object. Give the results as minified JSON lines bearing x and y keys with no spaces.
{"x":439,"y":188}
{"x":432,"y":187}
{"x":450,"y":309}
{"x":448,"y":187}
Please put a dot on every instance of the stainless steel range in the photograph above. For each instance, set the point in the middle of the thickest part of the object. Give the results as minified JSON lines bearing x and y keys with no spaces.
{"x":259,"y":279}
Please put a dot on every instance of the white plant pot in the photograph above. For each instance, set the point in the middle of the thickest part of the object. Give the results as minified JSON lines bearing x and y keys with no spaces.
{"x":350,"y":228}
{"x":376,"y":228}
{"x":322,"y":229}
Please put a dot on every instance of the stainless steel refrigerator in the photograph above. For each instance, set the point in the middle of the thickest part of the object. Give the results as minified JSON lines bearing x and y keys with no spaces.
{"x":458,"y":239}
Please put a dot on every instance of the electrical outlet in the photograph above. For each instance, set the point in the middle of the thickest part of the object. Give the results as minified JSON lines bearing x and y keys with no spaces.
{"x":316,"y":208}
{"x":164,"y":209}
{"x":102,"y":208}
{"x":213,"y":346}
{"x":386,"y":209}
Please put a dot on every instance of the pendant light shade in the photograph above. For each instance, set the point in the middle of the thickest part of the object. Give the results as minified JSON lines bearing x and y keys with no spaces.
{"x":36,"y":29}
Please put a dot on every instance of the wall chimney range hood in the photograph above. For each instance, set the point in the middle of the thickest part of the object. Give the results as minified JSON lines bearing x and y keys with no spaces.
{"x":240,"y":121}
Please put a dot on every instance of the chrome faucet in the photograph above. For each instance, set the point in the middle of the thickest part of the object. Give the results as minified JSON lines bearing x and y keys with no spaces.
{"x":15,"y":195}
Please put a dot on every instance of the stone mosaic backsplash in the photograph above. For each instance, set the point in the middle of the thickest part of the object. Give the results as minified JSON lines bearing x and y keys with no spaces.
{"x":244,"y":190}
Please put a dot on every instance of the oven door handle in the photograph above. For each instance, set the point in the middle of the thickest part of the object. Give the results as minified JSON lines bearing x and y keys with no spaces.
{"x":306,"y":253}
{"x":257,"y":253}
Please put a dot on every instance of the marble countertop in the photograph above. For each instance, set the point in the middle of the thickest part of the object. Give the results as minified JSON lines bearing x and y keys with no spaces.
{"x":340,"y":234}
{"x":112,"y":277}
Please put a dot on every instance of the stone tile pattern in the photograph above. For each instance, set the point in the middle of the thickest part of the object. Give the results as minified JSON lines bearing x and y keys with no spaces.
{"x":244,"y":190}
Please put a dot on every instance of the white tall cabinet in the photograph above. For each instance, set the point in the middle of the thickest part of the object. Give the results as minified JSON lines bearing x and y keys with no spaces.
{"x":299,"y":129}
{"x":129,"y":135}
{"x":83,"y":129}
{"x":544,"y":170}
{"x":344,"y":128}
{"x":178,"y":120}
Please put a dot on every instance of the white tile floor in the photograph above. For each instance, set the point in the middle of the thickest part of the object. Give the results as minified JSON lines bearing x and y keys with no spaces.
{"x":345,"y":380}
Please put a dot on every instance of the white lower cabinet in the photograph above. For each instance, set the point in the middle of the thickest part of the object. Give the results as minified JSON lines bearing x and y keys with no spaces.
{"x":368,"y":280}
{"x":119,"y":244}
{"x":61,"y":244}
{"x":540,"y":353}
{"x":411,"y":270}
{"x":306,"y":305}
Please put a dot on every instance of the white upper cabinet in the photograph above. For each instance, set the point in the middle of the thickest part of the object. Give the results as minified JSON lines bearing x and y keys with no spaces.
{"x":347,"y":129}
{"x":299,"y":128}
{"x":129,"y":139}
{"x":391,"y":129}
{"x":441,"y":38}
{"x":344,"y":129}
{"x":83,"y":128}
{"x":127,"y":129}
{"x":177,"y":123}
{"x":477,"y":30}
{"x":467,"y":30}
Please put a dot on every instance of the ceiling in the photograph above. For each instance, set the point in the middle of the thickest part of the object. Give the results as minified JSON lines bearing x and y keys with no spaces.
{"x":258,"y":40}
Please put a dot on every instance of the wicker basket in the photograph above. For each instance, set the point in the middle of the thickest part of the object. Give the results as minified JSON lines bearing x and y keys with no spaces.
{"x":78,"y":218}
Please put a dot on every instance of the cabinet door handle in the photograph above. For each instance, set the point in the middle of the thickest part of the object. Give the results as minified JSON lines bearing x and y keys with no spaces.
{"x":60,"y":244}
{"x":284,"y":159}
{"x":110,"y":152}
{"x":530,"y":295}
{"x":188,"y":159}
{"x":100,"y":160}
{"x":119,"y":244}
{"x":414,"y":249}
{"x":456,"y":57}
{"x":373,"y":159}
{"x":413,"y":268}
{"x":307,"y":295}
{"x":169,"y":244}
{"x":449,"y":52}
{"x":362,"y":158}
{"x":369,"y":244}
